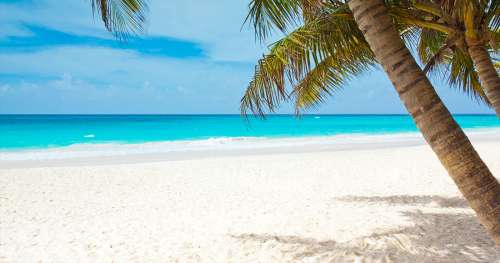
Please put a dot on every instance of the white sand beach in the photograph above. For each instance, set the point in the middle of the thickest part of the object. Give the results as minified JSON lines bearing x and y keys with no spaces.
{"x":369,"y":202}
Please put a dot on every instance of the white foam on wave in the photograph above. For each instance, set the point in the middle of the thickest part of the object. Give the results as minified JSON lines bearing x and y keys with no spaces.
{"x":344,"y":141}
{"x":87,"y":150}
{"x":89,"y":136}
{"x":84,"y":150}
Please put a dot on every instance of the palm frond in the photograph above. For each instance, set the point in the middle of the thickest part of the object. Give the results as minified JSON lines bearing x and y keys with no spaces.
{"x":461,"y":74}
{"x":301,"y":55}
{"x":429,"y":7}
{"x":290,"y":56}
{"x":409,"y":34}
{"x":122,"y":17}
{"x":326,"y":77}
{"x":494,"y":43}
{"x":430,"y":44}
{"x":442,"y":58}
{"x":267,"y":88}
{"x":492,"y":15}
{"x":403,"y":15}
{"x":314,"y":60}
{"x":267,"y":15}
{"x":436,"y":58}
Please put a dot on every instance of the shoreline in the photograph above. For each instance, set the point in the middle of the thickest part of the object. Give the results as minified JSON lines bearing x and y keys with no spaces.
{"x":119,"y":153}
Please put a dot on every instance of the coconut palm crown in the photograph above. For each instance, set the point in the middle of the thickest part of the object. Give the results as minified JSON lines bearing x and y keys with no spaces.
{"x":459,"y":38}
{"x":323,"y":48}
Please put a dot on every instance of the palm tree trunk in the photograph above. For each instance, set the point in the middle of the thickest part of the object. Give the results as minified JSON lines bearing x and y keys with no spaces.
{"x":438,"y":127}
{"x":487,"y":74}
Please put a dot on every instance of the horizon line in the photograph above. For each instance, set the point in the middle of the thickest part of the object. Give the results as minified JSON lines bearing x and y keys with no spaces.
{"x":226,"y":114}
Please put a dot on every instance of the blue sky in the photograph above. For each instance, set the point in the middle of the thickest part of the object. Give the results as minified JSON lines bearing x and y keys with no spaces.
{"x":194,"y":58}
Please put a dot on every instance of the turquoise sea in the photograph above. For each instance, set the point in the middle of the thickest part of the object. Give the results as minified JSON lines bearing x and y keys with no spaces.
{"x":41,"y":131}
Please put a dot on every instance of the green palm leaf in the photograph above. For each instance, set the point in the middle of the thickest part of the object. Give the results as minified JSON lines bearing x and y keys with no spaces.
{"x":266,"y":15}
{"x":325,"y":78}
{"x":121,"y":17}
{"x":463,"y":76}
{"x":313,"y":59}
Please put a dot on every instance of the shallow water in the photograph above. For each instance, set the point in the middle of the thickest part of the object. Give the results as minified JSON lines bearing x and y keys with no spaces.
{"x":42,"y":131}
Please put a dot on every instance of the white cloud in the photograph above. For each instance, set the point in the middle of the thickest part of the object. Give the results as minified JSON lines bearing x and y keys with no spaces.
{"x":215,"y":24}
{"x":125,"y":79}
{"x":218,"y":23}
{"x":121,"y":67}
{"x":4,"y":89}
{"x":72,"y":16}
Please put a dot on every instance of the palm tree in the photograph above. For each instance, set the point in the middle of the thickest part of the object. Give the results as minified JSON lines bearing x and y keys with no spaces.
{"x":318,"y":56}
{"x":418,"y":30}
{"x":458,"y":32}
{"x":477,"y":16}
{"x":441,"y":46}
{"x":121,"y":17}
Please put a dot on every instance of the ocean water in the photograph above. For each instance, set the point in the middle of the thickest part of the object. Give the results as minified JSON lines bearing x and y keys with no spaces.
{"x":43,"y":131}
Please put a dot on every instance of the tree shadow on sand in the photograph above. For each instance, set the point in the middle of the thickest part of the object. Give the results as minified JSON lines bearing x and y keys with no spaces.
{"x":435,"y":237}
{"x":445,"y":202}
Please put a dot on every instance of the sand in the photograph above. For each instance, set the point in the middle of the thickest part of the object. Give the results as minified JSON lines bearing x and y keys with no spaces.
{"x":378,"y":204}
